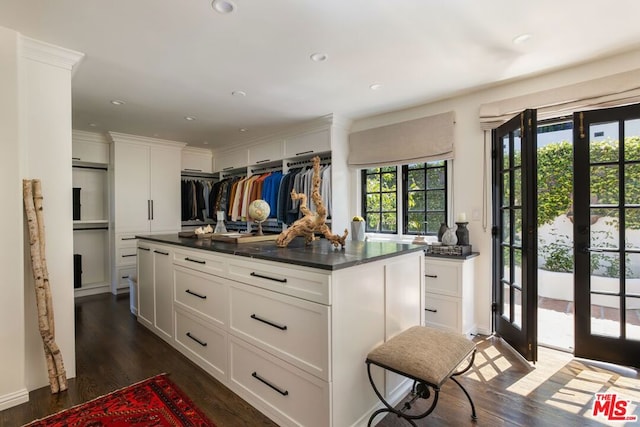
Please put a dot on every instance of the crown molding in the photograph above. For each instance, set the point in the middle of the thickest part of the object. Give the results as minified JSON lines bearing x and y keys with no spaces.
{"x":49,"y":54}
{"x":320,"y":123}
{"x":123,"y":137}
{"x":85,"y":136}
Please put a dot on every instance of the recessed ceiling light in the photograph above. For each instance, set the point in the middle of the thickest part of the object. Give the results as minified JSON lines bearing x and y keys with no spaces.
{"x":117,"y":102}
{"x":93,"y":125}
{"x":189,"y":118}
{"x":242,"y":129}
{"x":376,"y":86}
{"x":223,"y":6}
{"x":205,"y":142}
{"x":239,"y":93}
{"x":521,"y":38}
{"x":319,"y":57}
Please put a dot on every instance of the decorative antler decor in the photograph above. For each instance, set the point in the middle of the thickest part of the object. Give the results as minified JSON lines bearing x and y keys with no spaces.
{"x":32,"y":192}
{"x":311,"y":222}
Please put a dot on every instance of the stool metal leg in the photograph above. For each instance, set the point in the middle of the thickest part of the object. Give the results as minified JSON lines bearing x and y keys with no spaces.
{"x":474,"y":417}
{"x":401,"y":413}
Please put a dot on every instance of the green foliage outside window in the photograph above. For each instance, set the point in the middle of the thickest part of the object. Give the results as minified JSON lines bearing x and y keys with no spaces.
{"x":555,"y":179}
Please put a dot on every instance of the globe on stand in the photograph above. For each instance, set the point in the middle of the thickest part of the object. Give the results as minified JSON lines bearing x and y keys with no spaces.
{"x":259,"y":210}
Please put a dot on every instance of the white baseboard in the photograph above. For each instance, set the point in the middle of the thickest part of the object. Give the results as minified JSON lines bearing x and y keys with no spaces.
{"x":14,"y":399}
{"x":92,"y":289}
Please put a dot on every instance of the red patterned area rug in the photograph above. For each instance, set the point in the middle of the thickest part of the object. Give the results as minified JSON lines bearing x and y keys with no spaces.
{"x":153,"y":402}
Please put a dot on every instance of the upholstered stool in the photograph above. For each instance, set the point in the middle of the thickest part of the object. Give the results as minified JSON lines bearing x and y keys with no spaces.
{"x":429,"y":357}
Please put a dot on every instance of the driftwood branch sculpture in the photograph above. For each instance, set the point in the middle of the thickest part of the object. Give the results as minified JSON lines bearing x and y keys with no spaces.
{"x":35,"y":223}
{"x":311,"y":222}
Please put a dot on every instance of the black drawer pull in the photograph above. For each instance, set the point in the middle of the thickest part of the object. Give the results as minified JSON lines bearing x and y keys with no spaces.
{"x":125,"y":277}
{"x":143,"y":249}
{"x":128,"y":238}
{"x":270,"y":323}
{"x":304,"y":152}
{"x":433,"y":276}
{"x":268,"y":278}
{"x":263,"y":161}
{"x":128,"y":255}
{"x":228,"y":168}
{"x":161,"y":252}
{"x":262,"y":380}
{"x":190,"y":292}
{"x":192,"y":170}
{"x":202,"y":343}
{"x":432,"y":310}
{"x":195,"y":260}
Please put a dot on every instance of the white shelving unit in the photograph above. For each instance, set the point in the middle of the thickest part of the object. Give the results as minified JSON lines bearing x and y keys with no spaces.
{"x":91,"y":231}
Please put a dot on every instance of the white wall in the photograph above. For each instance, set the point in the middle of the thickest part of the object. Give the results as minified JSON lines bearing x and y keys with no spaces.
{"x":35,"y":126}
{"x":12,"y":353}
{"x":468,"y":182}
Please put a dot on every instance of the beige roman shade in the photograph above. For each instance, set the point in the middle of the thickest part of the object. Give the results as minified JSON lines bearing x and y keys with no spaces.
{"x":413,"y":141}
{"x":617,"y":89}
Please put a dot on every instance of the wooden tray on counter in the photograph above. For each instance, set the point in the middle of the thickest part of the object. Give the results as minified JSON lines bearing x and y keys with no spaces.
{"x":230,"y":237}
{"x":242,"y":238}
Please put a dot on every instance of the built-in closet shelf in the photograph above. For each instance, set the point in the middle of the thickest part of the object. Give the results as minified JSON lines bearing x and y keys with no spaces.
{"x":91,"y":222}
{"x":90,"y":182}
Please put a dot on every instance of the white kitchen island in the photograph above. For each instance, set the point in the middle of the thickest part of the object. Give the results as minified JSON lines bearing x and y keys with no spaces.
{"x":287,"y":329}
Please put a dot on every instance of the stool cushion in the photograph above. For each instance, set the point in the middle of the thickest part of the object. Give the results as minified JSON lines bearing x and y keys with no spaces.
{"x":423,"y":353}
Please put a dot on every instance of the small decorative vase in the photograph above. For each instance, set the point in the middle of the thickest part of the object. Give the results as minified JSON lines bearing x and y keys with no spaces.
{"x":449,"y":237}
{"x":357,"y":230}
{"x":441,"y":230}
{"x":462,"y":232}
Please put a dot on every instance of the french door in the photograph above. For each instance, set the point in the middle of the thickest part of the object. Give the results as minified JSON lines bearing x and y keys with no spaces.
{"x":607,"y":234}
{"x":515,"y":233}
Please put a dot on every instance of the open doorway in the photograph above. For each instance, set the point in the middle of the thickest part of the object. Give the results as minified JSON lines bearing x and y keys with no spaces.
{"x":555,"y":234}
{"x":566,"y":247}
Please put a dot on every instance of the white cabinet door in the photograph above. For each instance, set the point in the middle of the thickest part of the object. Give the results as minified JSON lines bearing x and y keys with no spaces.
{"x":131,"y":193}
{"x":266,"y":152}
{"x":195,"y":160}
{"x":145,"y":285}
{"x":163,"y":284}
{"x":164,"y":182}
{"x":308,"y":144}
{"x":231,"y":160}
{"x":92,"y":152}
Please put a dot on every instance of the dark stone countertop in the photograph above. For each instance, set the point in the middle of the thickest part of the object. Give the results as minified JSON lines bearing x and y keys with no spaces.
{"x":319,"y":254}
{"x":461,"y":257}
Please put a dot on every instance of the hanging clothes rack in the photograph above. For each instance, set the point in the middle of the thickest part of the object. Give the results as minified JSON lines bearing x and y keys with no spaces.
{"x":266,"y":169}
{"x":310,"y":161}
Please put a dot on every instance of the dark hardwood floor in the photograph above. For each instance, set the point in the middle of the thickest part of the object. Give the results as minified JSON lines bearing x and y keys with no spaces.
{"x":113,"y":351}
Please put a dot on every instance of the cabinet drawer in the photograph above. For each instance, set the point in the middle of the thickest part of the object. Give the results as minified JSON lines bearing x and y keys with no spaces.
{"x":201,"y":293}
{"x":442,"y":278}
{"x":442,"y":312}
{"x":123,"y":275}
{"x":298,"y":282}
{"x":204,"y":344}
{"x":126,"y":240}
{"x":126,"y":255}
{"x":205,"y":263}
{"x":273,"y":386}
{"x":293,"y":329}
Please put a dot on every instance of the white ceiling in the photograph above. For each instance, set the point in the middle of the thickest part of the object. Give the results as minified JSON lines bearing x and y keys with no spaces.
{"x":168,"y":59}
